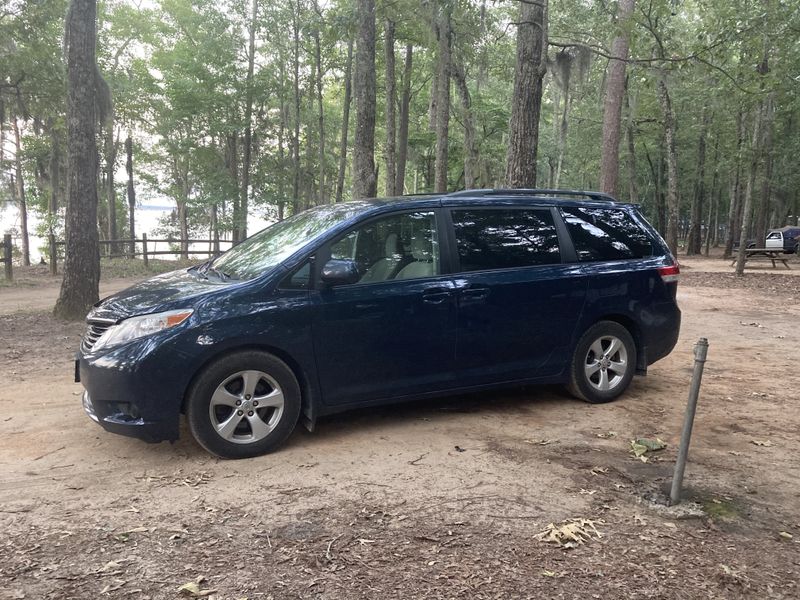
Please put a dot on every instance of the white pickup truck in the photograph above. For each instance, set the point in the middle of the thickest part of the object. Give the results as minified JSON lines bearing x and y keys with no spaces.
{"x":786,"y":238}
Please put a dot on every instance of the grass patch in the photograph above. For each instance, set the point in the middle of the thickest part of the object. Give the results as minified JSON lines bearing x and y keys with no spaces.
{"x":720,"y":508}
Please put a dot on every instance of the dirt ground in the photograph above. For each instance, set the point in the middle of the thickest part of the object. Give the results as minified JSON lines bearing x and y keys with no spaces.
{"x":437,"y":499}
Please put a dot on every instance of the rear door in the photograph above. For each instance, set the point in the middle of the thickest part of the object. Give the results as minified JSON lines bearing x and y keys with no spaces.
{"x":392,"y":333}
{"x":518,"y":301}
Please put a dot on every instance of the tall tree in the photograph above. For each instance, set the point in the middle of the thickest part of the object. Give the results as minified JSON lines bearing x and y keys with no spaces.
{"x":612,"y":106}
{"x":673,"y":199}
{"x":247,"y":150}
{"x":391,"y":102}
{"x":364,"y":176}
{"x":526,"y":103}
{"x":443,"y":31}
{"x":131,"y":192}
{"x":348,"y":88}
{"x":81,"y":283}
{"x":402,"y":134}
{"x":19,"y":192}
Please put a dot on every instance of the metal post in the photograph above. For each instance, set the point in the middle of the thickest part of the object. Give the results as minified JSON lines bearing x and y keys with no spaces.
{"x":700,"y":351}
{"x":53,"y":255}
{"x":144,"y":249}
{"x":7,"y":256}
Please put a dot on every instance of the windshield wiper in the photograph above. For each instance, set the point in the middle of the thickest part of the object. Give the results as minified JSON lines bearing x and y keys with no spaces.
{"x":220,"y":274}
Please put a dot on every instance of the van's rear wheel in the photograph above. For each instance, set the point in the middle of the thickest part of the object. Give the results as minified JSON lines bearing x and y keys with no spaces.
{"x":603,"y":363}
{"x":243,"y":405}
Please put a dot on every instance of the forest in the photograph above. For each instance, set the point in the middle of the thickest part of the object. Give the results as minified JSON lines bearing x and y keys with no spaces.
{"x":230,"y":108}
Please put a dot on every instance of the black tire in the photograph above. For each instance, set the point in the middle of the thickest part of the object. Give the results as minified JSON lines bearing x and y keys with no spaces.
{"x":588,"y":385}
{"x":262,"y":419}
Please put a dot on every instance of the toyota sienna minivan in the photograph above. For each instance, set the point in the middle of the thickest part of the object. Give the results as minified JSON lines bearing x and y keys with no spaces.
{"x":381,"y":301}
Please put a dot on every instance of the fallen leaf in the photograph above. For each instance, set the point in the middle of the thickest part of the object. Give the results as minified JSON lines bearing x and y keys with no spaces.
{"x":766,"y":443}
{"x":193,"y":589}
{"x":599,"y":470}
{"x":786,"y":535}
{"x":607,"y":435}
{"x":547,"y":573}
{"x":570,"y":533}
{"x":641,"y":446}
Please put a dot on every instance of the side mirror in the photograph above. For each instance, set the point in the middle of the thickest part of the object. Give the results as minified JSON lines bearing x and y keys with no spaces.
{"x":340,"y":272}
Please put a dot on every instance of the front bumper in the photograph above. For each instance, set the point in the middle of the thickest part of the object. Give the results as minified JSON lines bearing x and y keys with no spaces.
{"x":131,"y":394}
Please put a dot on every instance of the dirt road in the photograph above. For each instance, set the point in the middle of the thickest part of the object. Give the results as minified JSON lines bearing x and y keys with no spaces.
{"x":432,"y":500}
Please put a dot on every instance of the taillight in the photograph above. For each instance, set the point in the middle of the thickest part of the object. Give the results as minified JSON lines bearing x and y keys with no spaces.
{"x":670,"y":273}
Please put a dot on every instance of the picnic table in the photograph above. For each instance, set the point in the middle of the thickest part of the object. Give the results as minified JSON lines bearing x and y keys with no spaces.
{"x":763,"y":254}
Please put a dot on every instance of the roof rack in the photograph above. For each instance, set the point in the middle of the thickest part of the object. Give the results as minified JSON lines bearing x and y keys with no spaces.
{"x":598,"y":196}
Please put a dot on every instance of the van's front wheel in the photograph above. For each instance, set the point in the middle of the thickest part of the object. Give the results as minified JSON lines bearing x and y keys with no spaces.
{"x":603,"y":364}
{"x":243,"y":405}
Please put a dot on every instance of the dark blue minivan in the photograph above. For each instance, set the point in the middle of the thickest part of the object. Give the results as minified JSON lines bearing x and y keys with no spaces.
{"x":379,"y":301}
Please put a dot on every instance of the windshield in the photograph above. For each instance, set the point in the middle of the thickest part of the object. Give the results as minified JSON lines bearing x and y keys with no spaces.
{"x":277,"y":242}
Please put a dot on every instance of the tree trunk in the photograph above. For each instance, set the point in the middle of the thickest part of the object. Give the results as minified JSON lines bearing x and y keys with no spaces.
{"x":80,"y":286}
{"x":296,"y":138}
{"x":527,"y":98}
{"x":470,"y":149}
{"x":55,"y":175}
{"x":747,"y":208}
{"x":110,"y":152}
{"x":402,"y":136}
{"x":766,"y":178}
{"x":673,"y":200}
{"x":712,"y":229}
{"x":694,"y":239}
{"x":131,"y":192}
{"x":391,"y":121}
{"x":633,"y":192}
{"x":232,"y":164}
{"x":20,"y":195}
{"x":321,"y":199}
{"x":442,"y":101}
{"x":364,"y":176}
{"x":348,"y":87}
{"x":244,"y":203}
{"x":734,"y":208}
{"x":612,"y":106}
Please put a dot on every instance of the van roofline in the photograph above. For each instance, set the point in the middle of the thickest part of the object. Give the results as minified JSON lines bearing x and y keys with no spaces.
{"x":596,"y":196}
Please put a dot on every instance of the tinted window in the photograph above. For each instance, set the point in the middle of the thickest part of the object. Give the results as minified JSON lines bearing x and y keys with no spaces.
{"x":505,"y":238}
{"x":400,"y":246}
{"x":606,"y":234}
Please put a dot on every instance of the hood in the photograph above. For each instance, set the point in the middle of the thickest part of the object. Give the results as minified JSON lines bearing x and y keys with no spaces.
{"x":156,"y":294}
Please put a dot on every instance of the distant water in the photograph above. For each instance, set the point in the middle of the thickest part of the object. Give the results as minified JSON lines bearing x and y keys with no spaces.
{"x":147,"y":219}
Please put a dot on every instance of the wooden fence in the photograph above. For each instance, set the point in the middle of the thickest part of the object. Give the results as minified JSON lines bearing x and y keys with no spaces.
{"x":122,"y":248}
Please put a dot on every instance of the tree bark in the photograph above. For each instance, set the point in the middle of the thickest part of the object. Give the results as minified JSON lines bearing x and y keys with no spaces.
{"x":296,"y":137}
{"x":762,"y":222}
{"x":734,"y":208}
{"x":247,"y":149}
{"x":747,"y":207}
{"x":80,"y":286}
{"x":232,"y":163}
{"x":612,"y":107}
{"x":348,"y":89}
{"x":673,"y":200}
{"x":402,"y":136}
{"x":20,"y":196}
{"x":391,"y":121}
{"x":470,"y":147}
{"x":131,"y":192}
{"x":321,"y":199}
{"x":633,"y":191}
{"x":442,"y":101}
{"x":694,"y":239}
{"x":55,"y":175}
{"x":527,"y":98}
{"x":364,"y":176}
{"x":110,"y":152}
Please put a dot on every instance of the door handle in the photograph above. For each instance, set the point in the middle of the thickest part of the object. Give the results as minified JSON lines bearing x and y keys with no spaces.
{"x":436,"y":295}
{"x":475,"y":293}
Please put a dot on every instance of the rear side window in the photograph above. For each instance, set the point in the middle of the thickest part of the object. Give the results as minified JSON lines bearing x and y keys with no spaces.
{"x":606,"y":234}
{"x":504,"y":239}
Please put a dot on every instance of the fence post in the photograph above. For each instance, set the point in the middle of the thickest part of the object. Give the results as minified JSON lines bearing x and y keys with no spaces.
{"x":53,"y":255}
{"x":7,"y":256}
{"x":700,"y":352}
{"x":144,"y":249}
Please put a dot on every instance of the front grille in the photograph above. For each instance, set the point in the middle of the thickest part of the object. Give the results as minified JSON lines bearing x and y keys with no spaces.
{"x":95,"y":328}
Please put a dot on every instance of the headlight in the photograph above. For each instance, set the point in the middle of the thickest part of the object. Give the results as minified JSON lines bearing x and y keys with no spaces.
{"x":136,"y":327}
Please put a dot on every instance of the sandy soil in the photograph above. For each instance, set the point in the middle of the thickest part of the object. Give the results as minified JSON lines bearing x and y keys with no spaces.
{"x":430,"y":500}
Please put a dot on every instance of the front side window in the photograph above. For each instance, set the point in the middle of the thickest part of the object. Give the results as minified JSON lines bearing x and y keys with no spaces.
{"x":400,"y":246}
{"x":775,"y":235}
{"x":269,"y":247}
{"x":505,"y":238}
{"x":606,"y":234}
